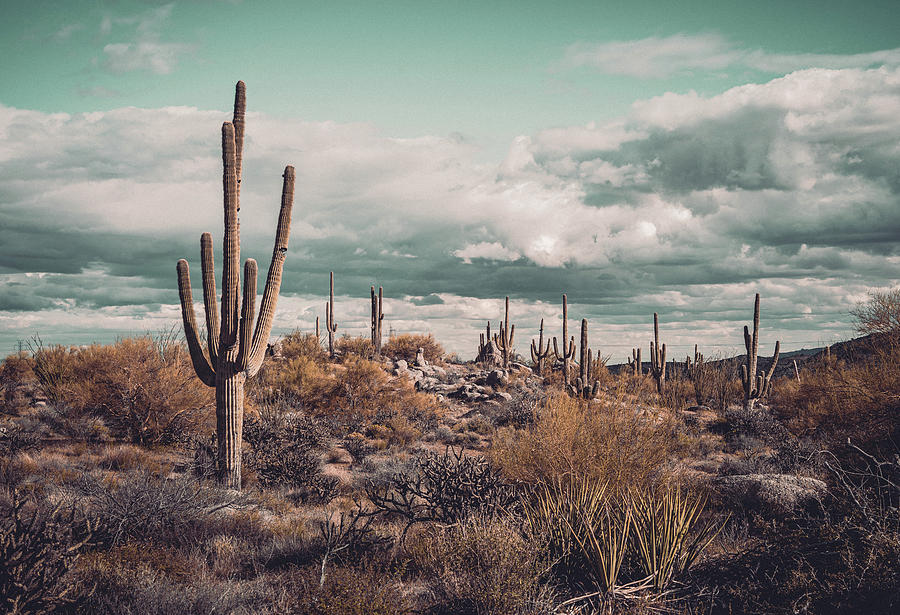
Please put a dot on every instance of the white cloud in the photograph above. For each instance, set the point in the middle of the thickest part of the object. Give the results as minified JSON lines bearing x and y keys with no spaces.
{"x":687,"y":206}
{"x":491,"y":251}
{"x":658,"y":57}
{"x":158,"y":58}
{"x":146,"y":51}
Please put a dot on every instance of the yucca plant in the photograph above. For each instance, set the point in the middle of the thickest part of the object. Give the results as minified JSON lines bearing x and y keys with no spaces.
{"x":560,"y":507}
{"x":663,"y":539}
{"x":587,"y":532}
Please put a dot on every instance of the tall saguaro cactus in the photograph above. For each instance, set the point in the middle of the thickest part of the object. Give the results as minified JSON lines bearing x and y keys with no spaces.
{"x":568,"y":345}
{"x":635,"y":362}
{"x":377,"y":317}
{"x":586,"y":385}
{"x":756,"y":386}
{"x":330,"y":325}
{"x":540,"y":352}
{"x":504,"y":339}
{"x":235,"y":350}
{"x":657,"y":356}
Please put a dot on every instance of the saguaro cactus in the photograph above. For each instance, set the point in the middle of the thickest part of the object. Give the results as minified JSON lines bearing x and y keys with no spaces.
{"x":568,"y":345}
{"x":756,"y":386}
{"x":377,"y":317}
{"x":586,"y":385}
{"x":504,"y":339}
{"x":540,"y":352}
{"x":657,"y":356}
{"x":635,"y":362}
{"x":330,"y":325}
{"x":696,"y":373}
{"x":235,"y":350}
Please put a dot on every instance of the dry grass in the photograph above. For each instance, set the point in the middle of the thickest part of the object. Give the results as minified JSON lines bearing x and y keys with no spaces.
{"x":607,"y":440}
{"x":836,"y":400}
{"x":143,"y":387}
{"x":407,"y":345}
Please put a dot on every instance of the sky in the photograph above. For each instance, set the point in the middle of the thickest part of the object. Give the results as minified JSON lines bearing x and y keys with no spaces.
{"x":670,"y":157}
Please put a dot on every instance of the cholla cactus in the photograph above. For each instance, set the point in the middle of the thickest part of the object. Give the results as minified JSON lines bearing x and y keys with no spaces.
{"x":540,"y":352}
{"x":330,"y":325}
{"x":568,"y":345}
{"x":657,"y":356}
{"x":504,"y":339}
{"x":635,"y":362}
{"x":377,"y":317}
{"x":586,"y":385}
{"x":235,"y":350}
{"x":756,"y":386}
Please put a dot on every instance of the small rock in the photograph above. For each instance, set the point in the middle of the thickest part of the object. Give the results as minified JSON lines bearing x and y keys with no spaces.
{"x":402,"y":365}
{"x":496,"y":377}
{"x":420,"y":358}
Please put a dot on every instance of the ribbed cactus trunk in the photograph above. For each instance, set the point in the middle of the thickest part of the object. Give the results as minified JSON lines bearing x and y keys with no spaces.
{"x":657,"y":357}
{"x":235,"y":349}
{"x":229,"y":424}
{"x":568,"y":345}
{"x":756,"y":386}
{"x":504,"y":339}
{"x":330,"y":325}
{"x":540,"y":352}
{"x":377,"y":318}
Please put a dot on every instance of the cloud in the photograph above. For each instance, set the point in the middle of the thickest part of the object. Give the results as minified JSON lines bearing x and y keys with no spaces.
{"x":659,"y":57}
{"x":158,"y":58}
{"x":686,"y":206}
{"x":490,"y":251}
{"x":146,"y":52}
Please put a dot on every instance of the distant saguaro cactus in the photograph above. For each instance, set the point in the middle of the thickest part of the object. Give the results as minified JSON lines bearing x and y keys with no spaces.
{"x":377,"y":318}
{"x":540,"y":352}
{"x":756,"y":386}
{"x":696,"y":372}
{"x":635,"y":362}
{"x":504,"y":339}
{"x":330,"y":325}
{"x":657,"y":356}
{"x":235,"y":351}
{"x":568,"y":345}
{"x":586,"y":385}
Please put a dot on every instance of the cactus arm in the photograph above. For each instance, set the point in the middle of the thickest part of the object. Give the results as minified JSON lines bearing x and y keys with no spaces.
{"x":201,"y":365}
{"x":232,"y":244}
{"x":209,"y":297}
{"x":248,"y":313}
{"x":273,"y":279}
{"x":240,"y":106}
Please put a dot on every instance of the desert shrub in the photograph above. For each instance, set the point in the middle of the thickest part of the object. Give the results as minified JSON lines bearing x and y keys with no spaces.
{"x":15,"y":372}
{"x":284,"y":453}
{"x":837,"y":399}
{"x":407,"y":345}
{"x":144,"y":388}
{"x":23,"y":435}
{"x":38,"y":547}
{"x":85,"y":428}
{"x":603,"y":440}
{"x":354,"y":347}
{"x":520,"y":411}
{"x":348,"y":396}
{"x":358,"y":590}
{"x":444,"y":488}
{"x":148,"y":592}
{"x":300,"y":381}
{"x":677,"y":394}
{"x":297,"y":344}
{"x":482,"y":565}
{"x":144,"y":507}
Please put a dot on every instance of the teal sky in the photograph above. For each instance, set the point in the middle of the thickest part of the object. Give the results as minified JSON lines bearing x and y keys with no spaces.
{"x":487,"y":70}
{"x":671,"y":157}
